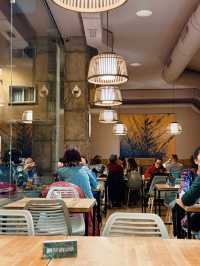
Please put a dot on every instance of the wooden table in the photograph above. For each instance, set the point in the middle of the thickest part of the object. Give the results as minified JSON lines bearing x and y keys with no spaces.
{"x":130,"y":251}
{"x":23,"y":250}
{"x":102,"y":251}
{"x":74,"y":206}
{"x":163,"y":188}
{"x":188,"y":209}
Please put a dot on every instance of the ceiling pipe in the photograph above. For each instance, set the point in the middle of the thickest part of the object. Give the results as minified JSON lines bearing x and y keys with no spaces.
{"x":187,"y":46}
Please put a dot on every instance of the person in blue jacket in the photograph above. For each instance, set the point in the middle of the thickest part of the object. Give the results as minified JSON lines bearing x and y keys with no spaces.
{"x":74,"y":173}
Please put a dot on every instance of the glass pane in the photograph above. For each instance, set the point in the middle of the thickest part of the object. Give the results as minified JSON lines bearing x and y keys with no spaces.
{"x":17,"y":95}
{"x":29,"y":95}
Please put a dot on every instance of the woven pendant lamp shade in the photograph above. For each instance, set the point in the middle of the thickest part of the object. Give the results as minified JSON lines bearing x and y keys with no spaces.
{"x":27,"y":117}
{"x":107,"y":96}
{"x":89,"y":5}
{"x":120,"y":129}
{"x":107,"y":69}
{"x":175,"y":128}
{"x":108,"y":116}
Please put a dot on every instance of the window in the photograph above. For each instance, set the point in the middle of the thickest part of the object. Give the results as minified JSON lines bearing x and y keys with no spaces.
{"x":22,"y":95}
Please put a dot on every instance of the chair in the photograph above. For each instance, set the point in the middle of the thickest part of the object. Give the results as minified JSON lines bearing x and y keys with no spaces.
{"x":134,"y":183}
{"x":77,"y":220}
{"x":16,"y":222}
{"x":156,"y":180}
{"x":50,"y":217}
{"x":135,"y":224}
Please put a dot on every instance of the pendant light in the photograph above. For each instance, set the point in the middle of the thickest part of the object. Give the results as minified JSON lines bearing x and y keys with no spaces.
{"x":175,"y":128}
{"x":89,"y":5}
{"x":107,"y":96}
{"x":108,"y":116}
{"x":107,"y":68}
{"x":120,"y":129}
{"x":27,"y":117}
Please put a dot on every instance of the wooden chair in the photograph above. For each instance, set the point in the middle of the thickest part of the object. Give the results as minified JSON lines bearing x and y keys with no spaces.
{"x":16,"y":222}
{"x":50,"y":217}
{"x":135,"y":224}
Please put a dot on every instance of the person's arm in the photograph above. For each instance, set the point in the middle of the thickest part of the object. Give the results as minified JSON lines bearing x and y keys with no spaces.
{"x":85,"y":186}
{"x":193,"y":194}
{"x":148,"y":172}
{"x":92,"y":179}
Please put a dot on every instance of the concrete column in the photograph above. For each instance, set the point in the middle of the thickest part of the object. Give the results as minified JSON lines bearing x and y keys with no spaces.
{"x":76,"y":116}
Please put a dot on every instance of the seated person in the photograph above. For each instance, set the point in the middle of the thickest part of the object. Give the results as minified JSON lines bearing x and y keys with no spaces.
{"x":30,"y":168}
{"x":189,"y":198}
{"x":155,"y":169}
{"x":132,"y":165}
{"x":90,"y":173}
{"x":115,"y":181}
{"x":173,"y":165}
{"x":74,"y":173}
{"x":188,"y":177}
{"x":96,"y":165}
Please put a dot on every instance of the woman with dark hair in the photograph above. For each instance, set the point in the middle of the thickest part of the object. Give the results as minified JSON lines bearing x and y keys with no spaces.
{"x":132,"y":165}
{"x":115,"y":181}
{"x":74,"y":173}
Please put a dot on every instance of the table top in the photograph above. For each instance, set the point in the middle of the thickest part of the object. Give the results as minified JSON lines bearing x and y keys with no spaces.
{"x":102,"y":251}
{"x":74,"y":205}
{"x":22,"y":250}
{"x":193,"y":208}
{"x":166,"y":187}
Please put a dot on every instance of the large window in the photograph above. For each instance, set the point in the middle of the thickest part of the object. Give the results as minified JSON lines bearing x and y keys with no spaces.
{"x":22,"y":95}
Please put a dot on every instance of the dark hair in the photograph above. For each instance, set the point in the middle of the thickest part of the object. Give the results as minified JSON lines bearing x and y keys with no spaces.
{"x":86,"y":160}
{"x":175,"y":157}
{"x":96,"y":160}
{"x":196,"y":153}
{"x":71,"y":157}
{"x":113,"y":158}
{"x":132,"y":164}
{"x":123,"y":159}
{"x":193,"y":164}
{"x":157,"y":158}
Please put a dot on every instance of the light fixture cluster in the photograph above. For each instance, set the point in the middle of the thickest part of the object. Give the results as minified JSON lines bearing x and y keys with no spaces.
{"x":106,"y":70}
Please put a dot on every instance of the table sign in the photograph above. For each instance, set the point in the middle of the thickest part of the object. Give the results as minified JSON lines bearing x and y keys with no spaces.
{"x":59,"y":249}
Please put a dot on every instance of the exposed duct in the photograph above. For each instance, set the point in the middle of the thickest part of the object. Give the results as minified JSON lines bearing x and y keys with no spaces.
{"x":186,"y":48}
{"x":95,"y":35}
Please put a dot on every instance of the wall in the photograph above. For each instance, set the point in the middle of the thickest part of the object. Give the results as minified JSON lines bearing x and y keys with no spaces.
{"x":104,"y":143}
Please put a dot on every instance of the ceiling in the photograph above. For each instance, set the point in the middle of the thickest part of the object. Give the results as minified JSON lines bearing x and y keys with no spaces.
{"x":146,"y":40}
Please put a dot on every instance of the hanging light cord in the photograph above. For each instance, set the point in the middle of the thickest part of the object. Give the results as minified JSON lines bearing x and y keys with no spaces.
{"x":108,"y":31}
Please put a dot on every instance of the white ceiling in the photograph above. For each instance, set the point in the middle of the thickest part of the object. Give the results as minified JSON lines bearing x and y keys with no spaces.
{"x":148,"y":40}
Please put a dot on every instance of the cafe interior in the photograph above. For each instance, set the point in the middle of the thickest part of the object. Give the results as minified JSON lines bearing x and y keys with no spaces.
{"x":99,"y":132}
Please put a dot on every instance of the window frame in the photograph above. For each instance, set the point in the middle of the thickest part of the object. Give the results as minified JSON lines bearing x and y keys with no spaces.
{"x":23,"y":102}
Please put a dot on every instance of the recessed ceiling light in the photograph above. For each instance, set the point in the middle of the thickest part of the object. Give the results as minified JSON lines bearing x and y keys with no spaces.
{"x":136,"y":64}
{"x":144,"y":13}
